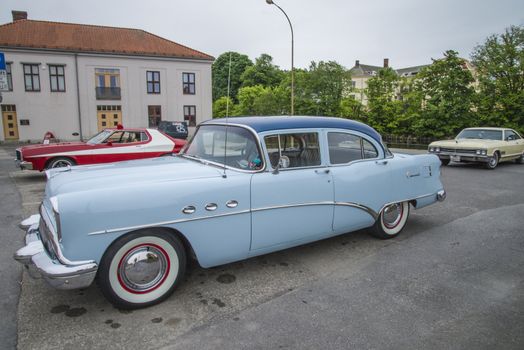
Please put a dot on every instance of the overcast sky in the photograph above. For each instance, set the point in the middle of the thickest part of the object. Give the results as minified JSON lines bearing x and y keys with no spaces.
{"x":408,"y":32}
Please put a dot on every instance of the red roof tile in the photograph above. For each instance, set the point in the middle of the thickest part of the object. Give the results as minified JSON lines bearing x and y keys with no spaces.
{"x":91,"y":38}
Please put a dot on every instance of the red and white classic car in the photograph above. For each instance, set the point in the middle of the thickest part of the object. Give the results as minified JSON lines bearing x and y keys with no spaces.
{"x":110,"y":145}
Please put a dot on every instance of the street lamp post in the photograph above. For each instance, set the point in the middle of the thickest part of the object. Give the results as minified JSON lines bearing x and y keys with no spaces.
{"x":271,"y":2}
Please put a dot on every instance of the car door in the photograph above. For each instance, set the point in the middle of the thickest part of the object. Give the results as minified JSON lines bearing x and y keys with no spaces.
{"x":361,"y":177}
{"x":294,"y":204}
{"x":515,"y":144}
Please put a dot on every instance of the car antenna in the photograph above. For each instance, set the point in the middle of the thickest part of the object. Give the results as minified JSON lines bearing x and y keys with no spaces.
{"x":227,"y":114}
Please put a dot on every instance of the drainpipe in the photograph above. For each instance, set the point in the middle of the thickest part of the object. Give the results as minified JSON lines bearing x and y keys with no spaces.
{"x":78,"y":97}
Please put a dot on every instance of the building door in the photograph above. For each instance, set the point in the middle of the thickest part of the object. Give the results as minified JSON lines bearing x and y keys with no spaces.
{"x":10,"y":122}
{"x":108,"y":116}
{"x":154,"y":115}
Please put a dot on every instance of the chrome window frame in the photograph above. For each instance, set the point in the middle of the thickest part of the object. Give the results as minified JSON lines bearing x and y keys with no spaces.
{"x":222,"y":165}
{"x":380,"y":149}
{"x":294,"y":131}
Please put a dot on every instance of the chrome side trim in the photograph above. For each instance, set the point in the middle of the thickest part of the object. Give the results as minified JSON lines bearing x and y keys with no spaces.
{"x":368,"y":210}
{"x":293,"y":206}
{"x":129,"y":228}
{"x":374,"y":214}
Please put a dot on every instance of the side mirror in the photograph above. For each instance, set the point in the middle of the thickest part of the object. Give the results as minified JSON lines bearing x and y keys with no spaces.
{"x":109,"y":143}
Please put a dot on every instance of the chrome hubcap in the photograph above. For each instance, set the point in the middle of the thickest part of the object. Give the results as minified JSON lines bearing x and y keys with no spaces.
{"x":392,"y":215}
{"x":143,"y":268}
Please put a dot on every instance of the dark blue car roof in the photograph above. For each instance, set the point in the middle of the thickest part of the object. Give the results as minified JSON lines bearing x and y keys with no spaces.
{"x":261,"y":124}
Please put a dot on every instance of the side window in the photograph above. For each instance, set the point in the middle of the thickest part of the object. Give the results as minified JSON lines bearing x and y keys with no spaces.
{"x":345,"y":148}
{"x":511,"y":135}
{"x":369,"y":150}
{"x":294,"y":150}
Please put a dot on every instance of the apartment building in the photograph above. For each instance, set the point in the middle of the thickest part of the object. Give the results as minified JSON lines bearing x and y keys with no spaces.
{"x":75,"y":80}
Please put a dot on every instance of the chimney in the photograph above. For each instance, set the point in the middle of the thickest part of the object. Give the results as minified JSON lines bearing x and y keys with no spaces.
{"x":357,"y":63}
{"x":18,"y":15}
{"x":386,"y":62}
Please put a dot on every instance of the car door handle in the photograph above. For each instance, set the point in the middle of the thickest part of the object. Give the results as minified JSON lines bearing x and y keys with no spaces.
{"x":381,"y":162}
{"x":324,"y":171}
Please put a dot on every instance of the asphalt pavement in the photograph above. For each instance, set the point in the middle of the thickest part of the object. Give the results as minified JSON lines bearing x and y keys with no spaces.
{"x":453,"y":279}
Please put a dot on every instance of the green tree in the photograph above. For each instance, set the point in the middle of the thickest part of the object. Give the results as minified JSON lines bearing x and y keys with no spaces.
{"x":448,"y":97}
{"x":260,"y":100}
{"x":220,"y":71}
{"x":383,"y":106}
{"x":318,"y":91}
{"x":500,"y":66}
{"x":352,"y":108}
{"x":221,"y":105}
{"x":263,"y":72}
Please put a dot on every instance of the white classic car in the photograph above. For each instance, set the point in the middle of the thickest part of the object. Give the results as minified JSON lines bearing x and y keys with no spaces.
{"x":240,"y":188}
{"x":489,"y":146}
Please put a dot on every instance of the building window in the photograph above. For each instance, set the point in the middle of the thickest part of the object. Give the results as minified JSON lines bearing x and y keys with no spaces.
{"x":9,"y":76}
{"x":154,"y":115}
{"x":31,"y":77}
{"x":188,"y":80}
{"x":107,"y":84}
{"x":153,"y":82}
{"x":57,"y":78}
{"x":190,"y":115}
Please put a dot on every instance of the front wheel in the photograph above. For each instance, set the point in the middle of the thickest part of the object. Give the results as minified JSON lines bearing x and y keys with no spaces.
{"x":520,"y":160}
{"x":142,"y":268}
{"x":391,"y":221}
{"x":60,"y":162}
{"x":493,"y":161}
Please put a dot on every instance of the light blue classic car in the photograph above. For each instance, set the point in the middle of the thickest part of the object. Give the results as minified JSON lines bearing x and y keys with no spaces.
{"x":240,"y":188}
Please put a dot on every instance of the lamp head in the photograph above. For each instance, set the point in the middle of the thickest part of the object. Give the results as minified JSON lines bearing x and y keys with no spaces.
{"x":269,"y":2}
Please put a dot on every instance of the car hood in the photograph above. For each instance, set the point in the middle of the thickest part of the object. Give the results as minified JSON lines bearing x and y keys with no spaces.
{"x":125,"y":174}
{"x":465,"y":143}
{"x":35,"y":150}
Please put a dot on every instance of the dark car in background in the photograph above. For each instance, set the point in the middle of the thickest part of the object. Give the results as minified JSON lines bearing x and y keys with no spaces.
{"x":175,"y":129}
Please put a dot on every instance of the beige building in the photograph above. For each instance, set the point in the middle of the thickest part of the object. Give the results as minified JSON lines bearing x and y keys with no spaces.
{"x":361,"y":73}
{"x":75,"y":79}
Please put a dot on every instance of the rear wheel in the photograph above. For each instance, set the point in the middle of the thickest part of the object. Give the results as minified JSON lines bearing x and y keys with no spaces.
{"x":60,"y":162}
{"x":493,"y":161}
{"x":391,"y":221}
{"x":142,"y":268}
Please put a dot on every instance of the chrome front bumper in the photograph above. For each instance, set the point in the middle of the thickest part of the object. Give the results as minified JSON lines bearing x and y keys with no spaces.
{"x":39,"y":265}
{"x":24,"y":165}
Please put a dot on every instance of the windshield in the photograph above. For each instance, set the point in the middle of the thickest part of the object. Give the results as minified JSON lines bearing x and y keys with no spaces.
{"x":482,"y":134}
{"x":98,"y":138}
{"x":241,"y":151}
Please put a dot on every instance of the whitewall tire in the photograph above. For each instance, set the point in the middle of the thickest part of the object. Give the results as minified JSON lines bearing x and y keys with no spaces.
{"x":391,"y":221}
{"x":142,"y":268}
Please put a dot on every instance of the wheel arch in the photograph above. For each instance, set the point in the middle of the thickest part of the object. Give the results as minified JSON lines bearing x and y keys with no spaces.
{"x":161,"y":229}
{"x":50,"y":159}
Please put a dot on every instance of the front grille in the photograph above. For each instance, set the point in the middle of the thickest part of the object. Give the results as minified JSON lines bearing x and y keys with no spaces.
{"x":454,"y":150}
{"x":18,"y":155}
{"x":45,"y":237}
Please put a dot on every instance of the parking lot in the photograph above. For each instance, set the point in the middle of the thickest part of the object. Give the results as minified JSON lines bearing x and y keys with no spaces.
{"x":453,"y":279}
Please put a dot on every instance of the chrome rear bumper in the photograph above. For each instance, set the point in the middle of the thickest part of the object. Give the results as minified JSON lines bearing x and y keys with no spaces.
{"x":61,"y":276}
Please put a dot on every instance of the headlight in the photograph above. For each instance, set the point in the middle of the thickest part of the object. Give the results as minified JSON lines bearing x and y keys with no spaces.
{"x":479,"y":152}
{"x":432,"y":149}
{"x":437,"y":149}
{"x":484,"y":152}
